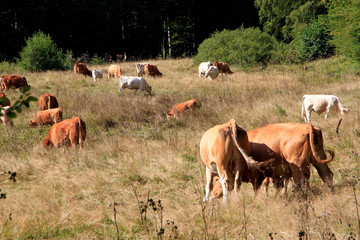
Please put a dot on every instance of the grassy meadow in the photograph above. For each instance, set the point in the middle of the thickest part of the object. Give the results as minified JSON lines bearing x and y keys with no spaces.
{"x":133,"y":156}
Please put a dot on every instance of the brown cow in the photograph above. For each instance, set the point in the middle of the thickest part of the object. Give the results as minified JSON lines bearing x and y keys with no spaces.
{"x":224,"y":149}
{"x":152,"y":70}
{"x":223,"y":67}
{"x":182,"y":107}
{"x":13,"y":81}
{"x":68,"y":132}
{"x":4,"y":118}
{"x":4,"y":101}
{"x":47,"y":101}
{"x":114,"y":71}
{"x":50,"y":116}
{"x":81,"y":68}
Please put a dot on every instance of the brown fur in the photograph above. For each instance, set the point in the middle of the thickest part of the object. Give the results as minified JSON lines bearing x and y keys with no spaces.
{"x":81,"y":68}
{"x":50,"y":116}
{"x":47,"y":101}
{"x":182,"y":107}
{"x":114,"y":71}
{"x":152,"y":70}
{"x":13,"y":81}
{"x":223,"y":67}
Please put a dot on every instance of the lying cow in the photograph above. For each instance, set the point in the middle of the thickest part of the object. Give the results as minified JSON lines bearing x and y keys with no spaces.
{"x":140,"y":69}
{"x":203,"y":67}
{"x":96,"y":74}
{"x":223,"y":67}
{"x":68,"y":132}
{"x":182,"y":107}
{"x":134,"y":83}
{"x":47,"y":101}
{"x":114,"y":71}
{"x":80,"y":68}
{"x":320,"y":104}
{"x":152,"y":70}
{"x":212,"y":72}
{"x":50,"y":116}
{"x":4,"y":101}
{"x":225,"y":151}
{"x":13,"y":81}
{"x":4,"y":118}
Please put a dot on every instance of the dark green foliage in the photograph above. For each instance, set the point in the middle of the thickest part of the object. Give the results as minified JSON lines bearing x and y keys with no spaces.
{"x":41,"y":54}
{"x":314,"y":42}
{"x":247,"y":47}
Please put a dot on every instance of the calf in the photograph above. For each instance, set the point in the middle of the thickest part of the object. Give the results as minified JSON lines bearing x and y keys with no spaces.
{"x":47,"y":101}
{"x":114,"y":71}
{"x":4,"y":118}
{"x":212,"y":72}
{"x":96,"y":74}
{"x":203,"y":67}
{"x":140,"y":69}
{"x":223,"y":67}
{"x":134,"y":83}
{"x":68,"y":132}
{"x":152,"y":70}
{"x":81,"y":68}
{"x":4,"y":101}
{"x":320,"y":104}
{"x":182,"y":107}
{"x":50,"y":116}
{"x":13,"y":81}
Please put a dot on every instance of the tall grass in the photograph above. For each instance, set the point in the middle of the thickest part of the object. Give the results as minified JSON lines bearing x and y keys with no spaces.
{"x":65,"y":193}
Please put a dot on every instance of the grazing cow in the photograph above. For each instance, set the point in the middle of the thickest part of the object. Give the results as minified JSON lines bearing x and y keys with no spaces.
{"x":152,"y":70}
{"x":50,"y":116}
{"x":140,"y":69}
{"x":134,"y":83}
{"x":320,"y":104}
{"x":182,"y":107}
{"x":81,"y":68}
{"x":114,"y":71}
{"x":68,"y":132}
{"x":223,"y":67}
{"x":4,"y":118}
{"x":47,"y":101}
{"x":203,"y":67}
{"x":225,"y":151}
{"x":96,"y":74}
{"x":293,"y":146}
{"x":212,"y":72}
{"x":14,"y":81}
{"x":4,"y":101}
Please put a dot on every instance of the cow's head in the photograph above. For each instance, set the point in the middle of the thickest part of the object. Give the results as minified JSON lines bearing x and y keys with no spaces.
{"x":32,"y":124}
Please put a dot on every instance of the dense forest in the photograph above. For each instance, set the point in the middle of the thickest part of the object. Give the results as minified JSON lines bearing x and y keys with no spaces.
{"x":141,"y":29}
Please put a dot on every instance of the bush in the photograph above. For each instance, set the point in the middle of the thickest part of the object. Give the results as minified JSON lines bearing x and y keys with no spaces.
{"x":96,"y":60}
{"x":247,"y":47}
{"x":315,"y":42}
{"x":41,"y":54}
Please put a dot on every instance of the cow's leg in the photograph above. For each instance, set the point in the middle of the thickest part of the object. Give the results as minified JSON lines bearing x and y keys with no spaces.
{"x":209,"y":183}
{"x":266,"y":185}
{"x":237,"y":180}
{"x":136,"y":91}
{"x":307,"y":116}
{"x":327,"y":112}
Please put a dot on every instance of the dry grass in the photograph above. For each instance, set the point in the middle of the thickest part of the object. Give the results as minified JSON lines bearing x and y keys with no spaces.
{"x":131,"y":149}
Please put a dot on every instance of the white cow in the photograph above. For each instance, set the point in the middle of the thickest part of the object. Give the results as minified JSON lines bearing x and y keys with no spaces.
{"x":96,"y":74}
{"x":203,"y":67}
{"x":4,"y":118}
{"x":134,"y":83}
{"x":140,"y":68}
{"x":320,"y":104}
{"x":212,"y":72}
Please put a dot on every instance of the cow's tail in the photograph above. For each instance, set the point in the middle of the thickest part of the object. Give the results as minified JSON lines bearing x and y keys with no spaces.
{"x":302,"y":107}
{"x":48,"y":97}
{"x":319,"y":142}
{"x":82,"y":134}
{"x":76,"y":67}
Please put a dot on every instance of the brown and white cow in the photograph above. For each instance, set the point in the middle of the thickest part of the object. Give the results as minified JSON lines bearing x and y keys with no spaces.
{"x":80,"y":68}
{"x":50,"y":116}
{"x":68,"y":132}
{"x":152,"y":70}
{"x":13,"y":81}
{"x":182,"y":107}
{"x":223,"y":67}
{"x":4,"y":101}
{"x":47,"y":101}
{"x":114,"y":71}
{"x":225,"y":151}
{"x":4,"y":118}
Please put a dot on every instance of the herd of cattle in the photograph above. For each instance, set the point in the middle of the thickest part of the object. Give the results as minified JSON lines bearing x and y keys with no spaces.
{"x":232,"y":155}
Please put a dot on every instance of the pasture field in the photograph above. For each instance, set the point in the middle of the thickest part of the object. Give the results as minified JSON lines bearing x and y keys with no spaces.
{"x":134,"y":156}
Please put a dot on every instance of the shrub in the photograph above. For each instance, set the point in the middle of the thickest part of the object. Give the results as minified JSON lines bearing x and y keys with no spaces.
{"x":314,"y":42}
{"x":41,"y":54}
{"x":97,"y":60}
{"x":247,"y":47}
